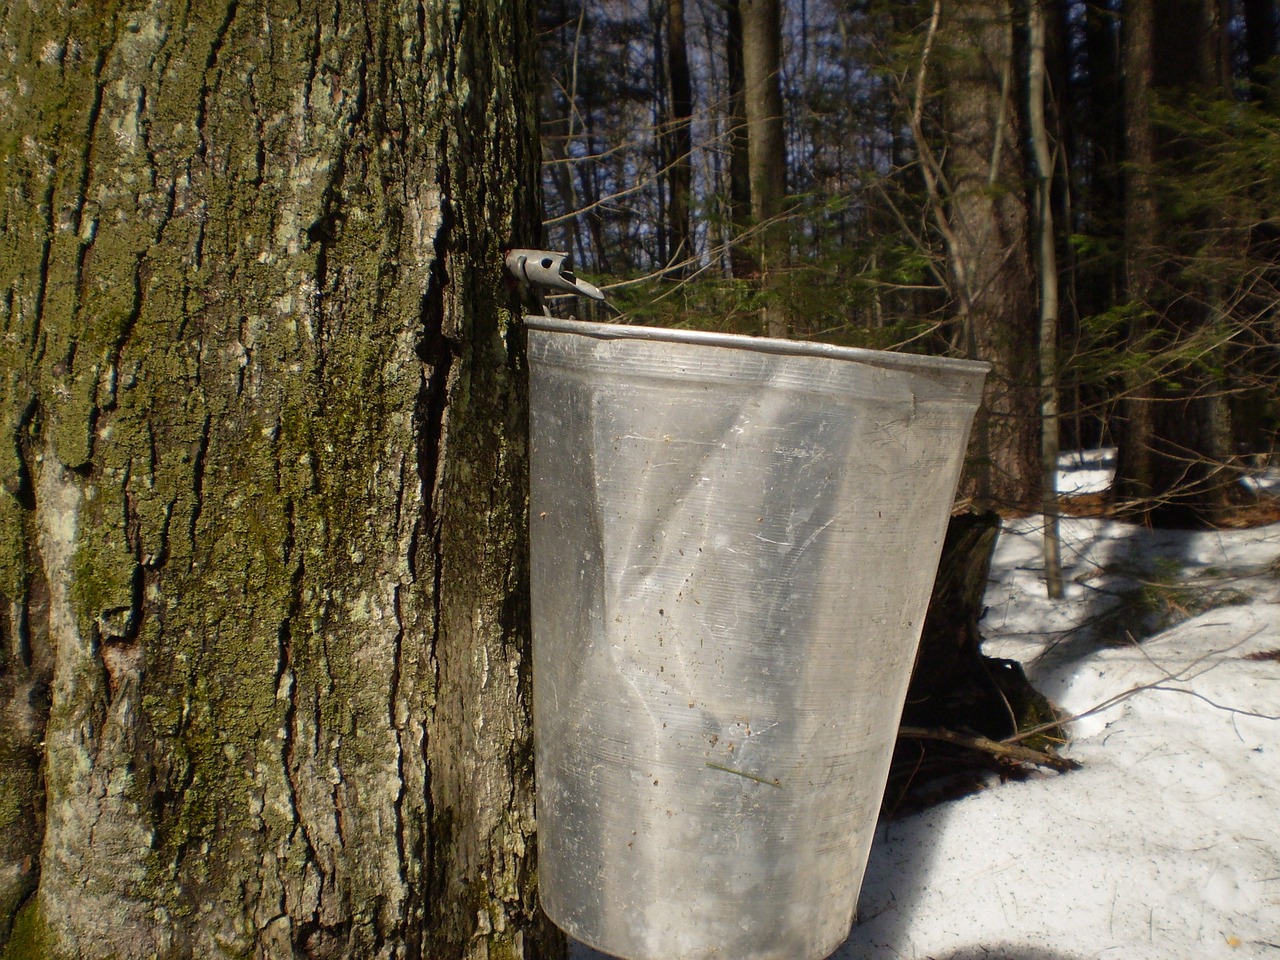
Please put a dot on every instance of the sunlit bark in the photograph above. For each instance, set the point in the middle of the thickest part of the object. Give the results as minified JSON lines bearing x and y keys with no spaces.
{"x":263,"y":479}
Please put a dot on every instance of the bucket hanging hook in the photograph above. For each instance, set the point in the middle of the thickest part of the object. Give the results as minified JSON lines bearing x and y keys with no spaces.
{"x":548,"y":269}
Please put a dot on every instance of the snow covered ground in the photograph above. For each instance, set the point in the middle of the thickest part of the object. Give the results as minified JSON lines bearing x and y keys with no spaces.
{"x":1167,"y":843}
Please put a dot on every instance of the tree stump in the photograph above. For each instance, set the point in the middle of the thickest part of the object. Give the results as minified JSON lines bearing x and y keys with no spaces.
{"x":954,"y":687}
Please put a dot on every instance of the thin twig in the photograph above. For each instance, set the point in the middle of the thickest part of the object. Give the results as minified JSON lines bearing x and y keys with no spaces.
{"x":744,"y":775}
{"x":1005,"y":751}
{"x":1157,"y":685}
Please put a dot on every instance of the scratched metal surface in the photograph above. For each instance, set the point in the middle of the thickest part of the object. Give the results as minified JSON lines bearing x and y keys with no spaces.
{"x":734,"y":540}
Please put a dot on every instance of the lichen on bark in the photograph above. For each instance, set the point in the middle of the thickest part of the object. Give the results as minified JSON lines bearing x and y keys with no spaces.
{"x":263,"y":428}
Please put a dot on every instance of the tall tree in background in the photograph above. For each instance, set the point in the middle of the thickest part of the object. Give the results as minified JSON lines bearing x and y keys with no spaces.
{"x":1093,"y":275}
{"x":766,"y":148}
{"x":263,"y":651}
{"x":678,"y":139}
{"x":562,"y":127}
{"x":1175,"y":441}
{"x":982,"y":210}
{"x":909,"y":215}
{"x":1253,"y":410}
{"x":742,"y":260}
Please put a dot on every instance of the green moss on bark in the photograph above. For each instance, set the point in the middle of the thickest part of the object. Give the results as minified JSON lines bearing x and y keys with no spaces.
{"x":11,"y":796}
{"x":102,"y":588}
{"x":30,"y":938}
{"x":272,"y":354}
{"x":15,"y":565}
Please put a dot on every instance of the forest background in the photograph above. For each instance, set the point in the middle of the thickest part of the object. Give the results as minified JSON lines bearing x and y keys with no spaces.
{"x":1082,"y":193}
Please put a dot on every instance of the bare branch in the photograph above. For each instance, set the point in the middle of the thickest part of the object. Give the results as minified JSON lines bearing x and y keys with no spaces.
{"x":1004,"y":751}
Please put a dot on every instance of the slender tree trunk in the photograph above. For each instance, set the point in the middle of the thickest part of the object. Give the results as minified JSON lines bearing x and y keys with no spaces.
{"x":660,"y":98}
{"x":742,"y":258}
{"x":989,"y":245}
{"x":679,"y":139}
{"x":263,"y":477}
{"x":767,"y":150}
{"x":1047,"y":268}
{"x":558,"y":136}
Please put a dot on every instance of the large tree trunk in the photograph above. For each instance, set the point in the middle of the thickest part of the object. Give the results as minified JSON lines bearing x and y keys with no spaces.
{"x":263,"y":469}
{"x":989,"y":246}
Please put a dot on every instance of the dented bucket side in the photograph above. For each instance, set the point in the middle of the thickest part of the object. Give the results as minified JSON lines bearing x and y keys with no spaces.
{"x":734,"y":542}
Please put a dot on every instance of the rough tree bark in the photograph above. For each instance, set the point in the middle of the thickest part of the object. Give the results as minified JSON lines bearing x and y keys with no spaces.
{"x":988,"y":241}
{"x":262,"y":569}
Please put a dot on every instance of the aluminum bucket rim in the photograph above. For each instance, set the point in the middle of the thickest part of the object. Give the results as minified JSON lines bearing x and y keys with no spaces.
{"x":770,"y":345}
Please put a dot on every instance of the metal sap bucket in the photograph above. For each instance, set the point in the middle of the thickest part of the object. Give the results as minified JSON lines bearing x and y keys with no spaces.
{"x":733,"y":545}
